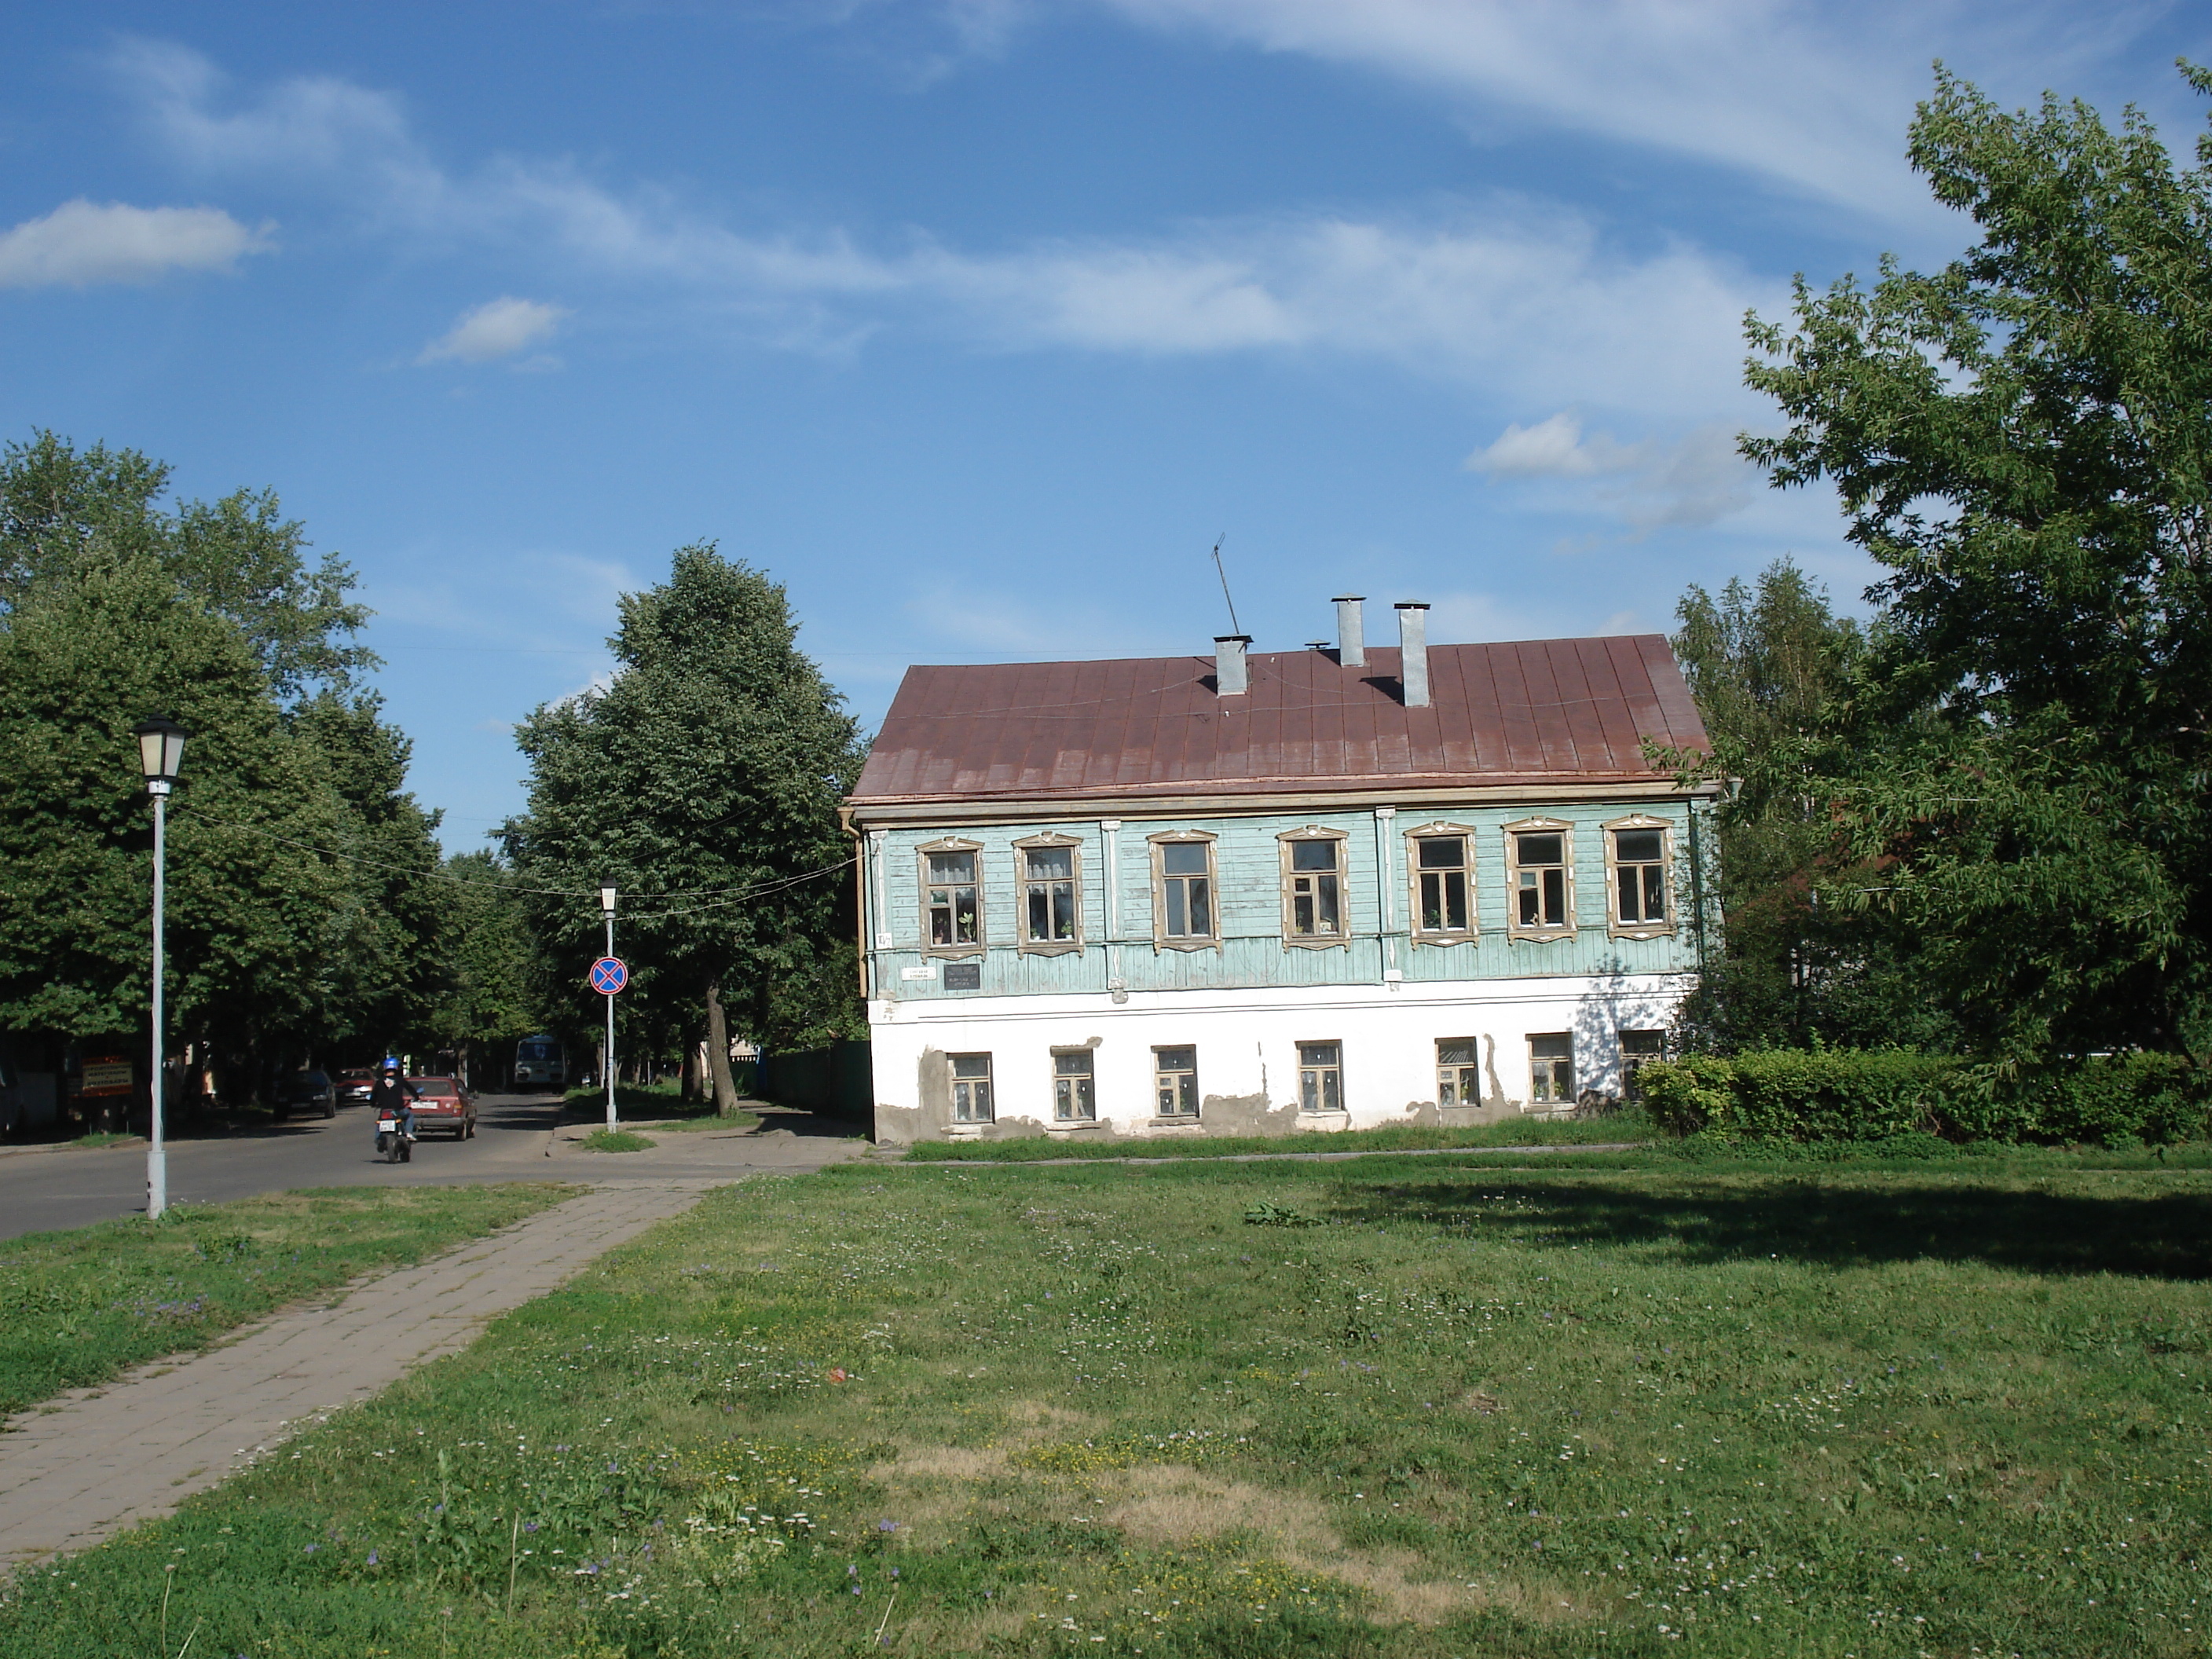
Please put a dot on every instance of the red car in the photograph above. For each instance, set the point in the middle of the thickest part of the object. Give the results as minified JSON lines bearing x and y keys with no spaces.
{"x":440,"y":1104}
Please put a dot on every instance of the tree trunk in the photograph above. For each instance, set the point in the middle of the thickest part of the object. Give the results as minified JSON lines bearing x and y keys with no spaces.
{"x":718,"y":1051}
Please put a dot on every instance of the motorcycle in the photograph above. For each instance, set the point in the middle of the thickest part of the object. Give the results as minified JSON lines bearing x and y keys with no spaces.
{"x":395,"y":1143}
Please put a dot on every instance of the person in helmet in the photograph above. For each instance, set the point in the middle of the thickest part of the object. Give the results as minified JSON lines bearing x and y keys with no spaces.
{"x":393,"y":1093}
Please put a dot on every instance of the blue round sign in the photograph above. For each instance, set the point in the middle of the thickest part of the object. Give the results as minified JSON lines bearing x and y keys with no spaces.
{"x":608,"y":975}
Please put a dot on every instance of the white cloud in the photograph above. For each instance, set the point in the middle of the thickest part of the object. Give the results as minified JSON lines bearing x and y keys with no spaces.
{"x":1693,"y":481}
{"x":81,"y":243}
{"x":1526,"y":300}
{"x":1812,"y":97}
{"x":498,"y":328}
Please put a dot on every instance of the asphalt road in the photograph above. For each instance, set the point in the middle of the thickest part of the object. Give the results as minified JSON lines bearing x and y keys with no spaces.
{"x":67,"y":1186}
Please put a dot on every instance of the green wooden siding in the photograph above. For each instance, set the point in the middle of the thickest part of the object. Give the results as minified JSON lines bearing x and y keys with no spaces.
{"x":1248,"y":908}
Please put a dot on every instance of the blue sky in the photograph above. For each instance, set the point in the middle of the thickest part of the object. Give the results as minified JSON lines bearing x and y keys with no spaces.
{"x":975,"y":322}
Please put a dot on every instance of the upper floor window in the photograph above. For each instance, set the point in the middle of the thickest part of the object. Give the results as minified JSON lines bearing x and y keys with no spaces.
{"x":1051,"y":893}
{"x":1444,"y":883}
{"x":1182,"y":891}
{"x":1637,"y":855}
{"x":1540,"y":871}
{"x":1313,"y":887}
{"x":951,"y":897}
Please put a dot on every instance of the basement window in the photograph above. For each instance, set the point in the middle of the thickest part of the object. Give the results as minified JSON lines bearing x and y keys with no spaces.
{"x":1174,"y":1082}
{"x":1551,"y":1069}
{"x":971,"y":1088}
{"x":1637,"y":1050}
{"x":1075,"y":1095}
{"x":1321,"y":1077}
{"x":1457,"y":1083}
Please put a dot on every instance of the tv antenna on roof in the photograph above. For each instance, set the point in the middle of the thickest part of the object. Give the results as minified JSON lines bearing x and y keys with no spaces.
{"x":1235,"y":626}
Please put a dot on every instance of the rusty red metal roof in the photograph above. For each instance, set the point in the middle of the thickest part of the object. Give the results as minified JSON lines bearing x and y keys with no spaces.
{"x":1534,"y":711}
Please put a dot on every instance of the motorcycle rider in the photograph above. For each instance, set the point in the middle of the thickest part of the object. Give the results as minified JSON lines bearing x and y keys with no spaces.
{"x":394,"y":1094}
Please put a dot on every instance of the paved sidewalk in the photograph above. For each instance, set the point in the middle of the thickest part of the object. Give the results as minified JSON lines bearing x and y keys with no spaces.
{"x":94,"y":1461}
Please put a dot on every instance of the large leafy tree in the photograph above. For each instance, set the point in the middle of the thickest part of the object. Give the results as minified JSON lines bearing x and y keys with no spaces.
{"x":704,"y":780}
{"x":490,"y":995}
{"x":249,"y":903}
{"x":1769,"y":663}
{"x":301,"y":913}
{"x":2022,"y":439}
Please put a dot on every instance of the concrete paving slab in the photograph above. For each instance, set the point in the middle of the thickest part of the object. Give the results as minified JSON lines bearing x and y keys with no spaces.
{"x":87,"y":1465}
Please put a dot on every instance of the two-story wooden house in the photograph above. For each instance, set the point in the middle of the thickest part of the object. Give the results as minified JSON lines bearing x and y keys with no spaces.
{"x":1267,"y":891}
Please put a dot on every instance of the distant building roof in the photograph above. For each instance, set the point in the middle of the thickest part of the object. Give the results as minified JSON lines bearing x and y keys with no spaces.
{"x":1528,"y":713}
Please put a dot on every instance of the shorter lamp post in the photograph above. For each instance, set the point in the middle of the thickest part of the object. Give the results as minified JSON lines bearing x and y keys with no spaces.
{"x":160,"y":753}
{"x":607,"y":911}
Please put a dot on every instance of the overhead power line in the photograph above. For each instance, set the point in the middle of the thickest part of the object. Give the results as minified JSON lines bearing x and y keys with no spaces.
{"x":717,"y":896}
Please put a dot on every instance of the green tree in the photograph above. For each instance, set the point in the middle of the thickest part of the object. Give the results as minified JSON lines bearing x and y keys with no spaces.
{"x":248,"y":903}
{"x":63,"y":511}
{"x":704,"y":780}
{"x":385,"y":962}
{"x":490,"y":995}
{"x":1768,"y":665}
{"x":2021,"y":440}
{"x":303,"y":911}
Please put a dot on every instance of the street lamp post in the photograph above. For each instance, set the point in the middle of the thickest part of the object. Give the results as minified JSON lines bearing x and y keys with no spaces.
{"x":607,"y":911}
{"x":160,"y":753}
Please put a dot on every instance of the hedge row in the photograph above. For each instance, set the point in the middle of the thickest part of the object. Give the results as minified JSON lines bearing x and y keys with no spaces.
{"x":1845,"y":1094}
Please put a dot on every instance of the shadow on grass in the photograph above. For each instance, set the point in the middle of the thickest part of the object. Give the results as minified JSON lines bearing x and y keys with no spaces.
{"x":2164,"y":1235}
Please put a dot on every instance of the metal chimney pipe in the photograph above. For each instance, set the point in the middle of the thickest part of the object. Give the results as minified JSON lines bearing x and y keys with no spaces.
{"x":1351,"y":630}
{"x":1413,"y":654}
{"x":1229,"y":675}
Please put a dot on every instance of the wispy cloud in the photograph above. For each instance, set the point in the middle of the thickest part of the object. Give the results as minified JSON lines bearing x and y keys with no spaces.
{"x":1529,"y":301}
{"x":498,"y":328}
{"x":1695,"y":481}
{"x":83,"y":243}
{"x":1812,"y":97}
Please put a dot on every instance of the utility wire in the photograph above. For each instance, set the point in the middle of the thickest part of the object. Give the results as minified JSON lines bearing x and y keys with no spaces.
{"x":732,"y":895}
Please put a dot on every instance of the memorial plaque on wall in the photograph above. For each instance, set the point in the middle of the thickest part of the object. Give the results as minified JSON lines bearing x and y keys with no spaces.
{"x":964,"y":975}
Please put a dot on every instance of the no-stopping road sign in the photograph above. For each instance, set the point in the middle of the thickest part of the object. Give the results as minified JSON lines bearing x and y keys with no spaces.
{"x":608,"y":975}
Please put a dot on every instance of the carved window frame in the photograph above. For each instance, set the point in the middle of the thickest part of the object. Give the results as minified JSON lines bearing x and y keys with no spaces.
{"x":1022,"y":883}
{"x":921,"y":855}
{"x":1165,"y":838}
{"x":1442,"y":935}
{"x":1613,"y":924}
{"x":1540,"y":826}
{"x":1306,"y":836}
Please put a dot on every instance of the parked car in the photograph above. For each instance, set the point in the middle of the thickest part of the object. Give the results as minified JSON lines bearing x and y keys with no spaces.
{"x":440,"y":1104}
{"x":354,"y":1087}
{"x":306,"y":1091}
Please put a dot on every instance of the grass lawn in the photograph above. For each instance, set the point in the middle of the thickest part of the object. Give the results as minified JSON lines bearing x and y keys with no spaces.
{"x":1600,"y":1404}
{"x":615,"y":1140}
{"x":77,"y":1307}
{"x":661,"y":1105}
{"x":1612,"y":1128}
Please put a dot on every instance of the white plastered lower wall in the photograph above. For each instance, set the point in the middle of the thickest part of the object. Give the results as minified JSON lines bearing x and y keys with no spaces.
{"x":1248,"y":1051}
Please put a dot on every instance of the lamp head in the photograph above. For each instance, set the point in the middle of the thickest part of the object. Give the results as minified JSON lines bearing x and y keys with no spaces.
{"x":607,"y":897}
{"x":160,"y":753}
